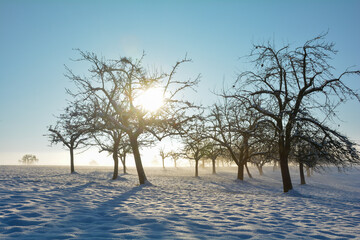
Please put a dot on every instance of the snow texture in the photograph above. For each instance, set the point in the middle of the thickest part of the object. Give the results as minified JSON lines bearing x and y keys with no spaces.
{"x":50,"y":203}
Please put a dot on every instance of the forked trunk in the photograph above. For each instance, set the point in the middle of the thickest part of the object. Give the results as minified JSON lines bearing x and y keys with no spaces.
{"x":116,"y":165}
{"x":139,"y":167}
{"x":72,"y":168}
{"x":123,"y":161}
{"x":247,"y":170}
{"x":302,"y":176}
{"x":259,"y":167}
{"x":124,"y":166}
{"x":213,"y":166}
{"x":285,"y":173}
{"x":240,"y":174}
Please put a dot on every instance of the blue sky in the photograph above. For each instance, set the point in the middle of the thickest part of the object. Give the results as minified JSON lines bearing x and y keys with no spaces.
{"x":38,"y":37}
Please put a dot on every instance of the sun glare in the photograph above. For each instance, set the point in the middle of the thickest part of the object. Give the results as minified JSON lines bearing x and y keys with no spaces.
{"x":151,"y":99}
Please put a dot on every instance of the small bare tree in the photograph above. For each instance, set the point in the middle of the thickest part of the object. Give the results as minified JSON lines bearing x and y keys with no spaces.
{"x":213,"y":151}
{"x":71,"y":130}
{"x":113,"y":141}
{"x":234,"y":128}
{"x":163,"y":154}
{"x":28,"y":159}
{"x":194,"y":142}
{"x":175,"y":157}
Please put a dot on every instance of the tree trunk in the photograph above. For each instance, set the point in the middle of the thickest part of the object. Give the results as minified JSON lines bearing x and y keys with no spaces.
{"x":139,"y":167}
{"x":302,"y":176}
{"x":259,"y":167}
{"x":275,"y":165}
{"x":246,"y":153}
{"x":247,"y":170}
{"x":213,"y":166}
{"x":307,"y":171}
{"x":285,"y":173}
{"x":174,"y":163}
{"x":123,"y":161}
{"x":203,"y":163}
{"x":116,"y":165}
{"x":240,"y":174}
{"x":72,"y":169}
{"x":124,"y":166}
{"x":196,"y":168}
{"x":163,"y":162}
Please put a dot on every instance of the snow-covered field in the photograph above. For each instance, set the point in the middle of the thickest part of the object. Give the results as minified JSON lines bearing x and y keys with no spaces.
{"x":49,"y":203}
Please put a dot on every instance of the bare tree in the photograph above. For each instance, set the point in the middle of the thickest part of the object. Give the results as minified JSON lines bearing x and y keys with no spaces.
{"x":118,"y":83}
{"x":213,"y":151}
{"x":164,"y":155}
{"x":113,"y":141}
{"x":263,"y":150}
{"x":234,"y":127}
{"x":317,"y":149}
{"x":175,"y":157}
{"x":71,"y":130}
{"x":293,"y":85}
{"x":194,"y":142}
{"x":123,"y":152}
{"x":28,"y":159}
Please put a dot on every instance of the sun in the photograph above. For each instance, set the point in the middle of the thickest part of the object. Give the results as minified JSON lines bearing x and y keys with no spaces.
{"x":151,"y":99}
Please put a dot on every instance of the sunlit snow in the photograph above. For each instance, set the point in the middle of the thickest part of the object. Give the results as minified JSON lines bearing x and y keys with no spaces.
{"x":49,"y":203}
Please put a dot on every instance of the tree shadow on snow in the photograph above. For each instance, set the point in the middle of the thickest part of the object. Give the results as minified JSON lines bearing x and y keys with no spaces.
{"x":110,"y":218}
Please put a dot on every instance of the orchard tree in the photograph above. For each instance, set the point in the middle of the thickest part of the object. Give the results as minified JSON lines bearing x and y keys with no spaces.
{"x":28,"y":159}
{"x":213,"y":151}
{"x":124,"y":150}
{"x":317,"y":149}
{"x":221,"y":131}
{"x":290,"y":86}
{"x":113,"y":141}
{"x":175,"y":156}
{"x":195,"y":145}
{"x":141,"y":103}
{"x":163,"y":154}
{"x":234,"y":127}
{"x":71,"y":129}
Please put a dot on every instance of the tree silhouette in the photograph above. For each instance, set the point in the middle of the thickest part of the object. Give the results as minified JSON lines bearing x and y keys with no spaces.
{"x":117,"y":84}
{"x":234,"y":127}
{"x":71,"y":130}
{"x":163,"y":154}
{"x":289,"y":86}
{"x":28,"y":159}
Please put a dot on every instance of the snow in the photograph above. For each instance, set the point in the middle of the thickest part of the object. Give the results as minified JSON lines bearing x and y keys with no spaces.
{"x":50,"y":203}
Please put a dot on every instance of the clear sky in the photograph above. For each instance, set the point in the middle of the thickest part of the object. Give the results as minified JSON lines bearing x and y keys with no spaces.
{"x":38,"y":37}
